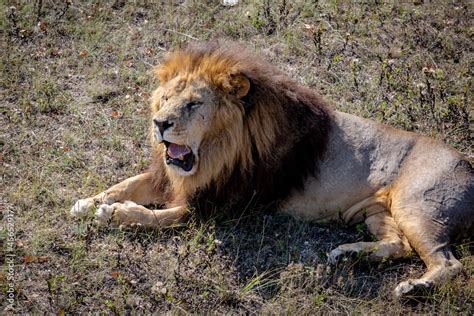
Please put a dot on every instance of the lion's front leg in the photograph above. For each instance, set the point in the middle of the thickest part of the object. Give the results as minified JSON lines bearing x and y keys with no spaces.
{"x":139,"y":189}
{"x":130,"y":214}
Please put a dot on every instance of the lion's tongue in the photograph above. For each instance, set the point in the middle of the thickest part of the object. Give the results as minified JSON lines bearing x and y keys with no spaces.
{"x":176,"y":151}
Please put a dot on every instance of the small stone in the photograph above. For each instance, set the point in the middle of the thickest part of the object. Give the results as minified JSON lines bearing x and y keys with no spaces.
{"x":230,"y":3}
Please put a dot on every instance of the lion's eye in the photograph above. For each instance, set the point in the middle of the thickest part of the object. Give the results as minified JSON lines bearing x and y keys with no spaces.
{"x":193,"y":105}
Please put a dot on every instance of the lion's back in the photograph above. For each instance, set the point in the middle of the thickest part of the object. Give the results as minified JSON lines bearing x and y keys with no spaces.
{"x":364,"y":156}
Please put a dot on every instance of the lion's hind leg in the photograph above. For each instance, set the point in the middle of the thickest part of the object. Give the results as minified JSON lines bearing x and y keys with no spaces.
{"x":431,"y":241}
{"x":390,"y":241}
{"x":442,"y":266}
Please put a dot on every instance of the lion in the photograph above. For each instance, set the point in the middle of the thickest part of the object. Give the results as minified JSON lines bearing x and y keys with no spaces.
{"x":227,"y":128}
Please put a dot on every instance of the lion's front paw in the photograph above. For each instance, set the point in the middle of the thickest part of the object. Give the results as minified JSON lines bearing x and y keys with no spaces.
{"x":82,"y":207}
{"x":412,"y":287}
{"x":104,"y":213}
{"x":119,"y":214}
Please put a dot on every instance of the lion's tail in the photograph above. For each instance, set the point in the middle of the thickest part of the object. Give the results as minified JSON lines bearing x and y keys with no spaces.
{"x":376,"y":203}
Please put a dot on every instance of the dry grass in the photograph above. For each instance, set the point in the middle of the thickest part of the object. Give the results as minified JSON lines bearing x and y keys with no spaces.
{"x":75,"y":82}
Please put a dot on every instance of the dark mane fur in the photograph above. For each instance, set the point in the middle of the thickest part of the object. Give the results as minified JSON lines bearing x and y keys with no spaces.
{"x":299,"y":145}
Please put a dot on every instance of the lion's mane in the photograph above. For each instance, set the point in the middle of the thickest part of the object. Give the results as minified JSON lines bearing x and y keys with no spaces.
{"x":271,"y":150}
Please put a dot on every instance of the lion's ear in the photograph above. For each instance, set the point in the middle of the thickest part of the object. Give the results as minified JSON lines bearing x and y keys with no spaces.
{"x":240,"y":84}
{"x":235,"y":84}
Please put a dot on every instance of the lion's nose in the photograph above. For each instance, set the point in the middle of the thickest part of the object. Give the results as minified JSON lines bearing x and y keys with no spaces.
{"x":163,"y":125}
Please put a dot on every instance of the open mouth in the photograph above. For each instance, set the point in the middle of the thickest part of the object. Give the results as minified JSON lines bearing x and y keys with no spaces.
{"x":179,"y":155}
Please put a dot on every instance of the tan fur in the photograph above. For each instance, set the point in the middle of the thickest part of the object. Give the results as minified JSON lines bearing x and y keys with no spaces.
{"x":412,"y":192}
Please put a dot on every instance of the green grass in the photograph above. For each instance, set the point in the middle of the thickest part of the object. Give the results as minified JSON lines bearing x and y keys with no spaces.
{"x":74,"y":90}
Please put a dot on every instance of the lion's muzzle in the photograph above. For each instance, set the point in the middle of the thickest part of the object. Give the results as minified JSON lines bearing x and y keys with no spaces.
{"x":176,"y":153}
{"x":162,"y":125}
{"x":179,"y":155}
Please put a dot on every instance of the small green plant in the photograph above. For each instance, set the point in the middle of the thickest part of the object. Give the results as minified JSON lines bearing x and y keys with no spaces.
{"x":361,"y":228}
{"x":319,"y":299}
{"x":48,"y":98}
